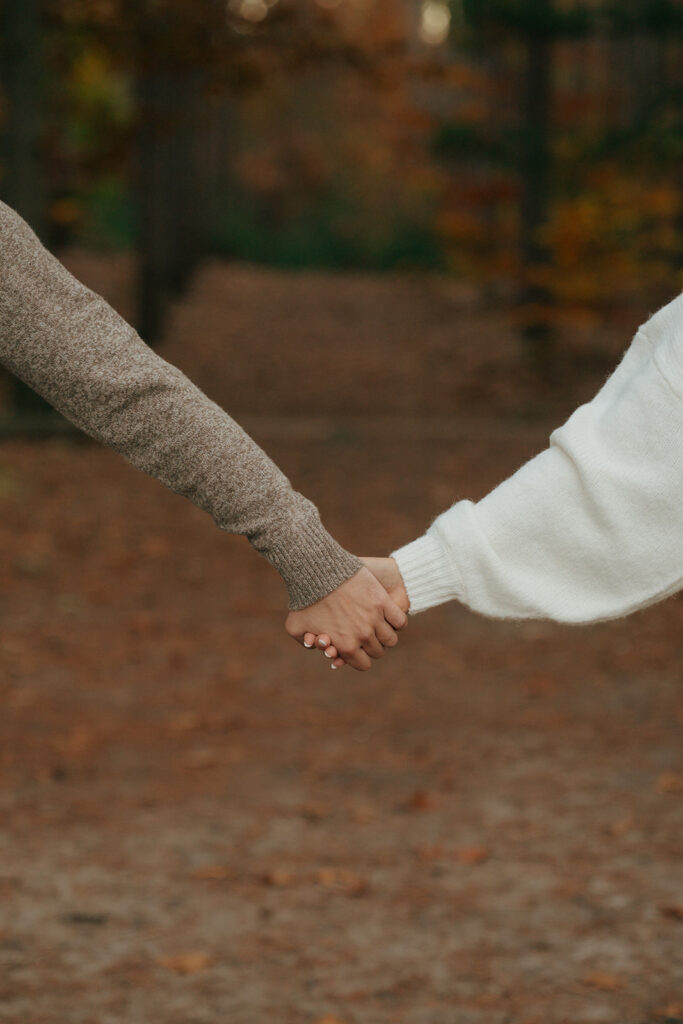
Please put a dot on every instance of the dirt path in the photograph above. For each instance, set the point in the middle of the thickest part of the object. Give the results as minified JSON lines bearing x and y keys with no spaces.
{"x":202,"y":824}
{"x":266,"y":342}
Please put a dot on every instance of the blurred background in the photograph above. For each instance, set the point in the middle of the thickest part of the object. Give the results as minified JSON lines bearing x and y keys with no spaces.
{"x":399,"y":241}
{"x":527,"y":150}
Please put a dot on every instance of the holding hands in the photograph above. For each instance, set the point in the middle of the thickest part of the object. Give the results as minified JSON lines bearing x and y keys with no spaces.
{"x":359,"y":620}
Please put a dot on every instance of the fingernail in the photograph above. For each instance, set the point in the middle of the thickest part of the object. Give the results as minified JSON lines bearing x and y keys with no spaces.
{"x":327,"y":655}
{"x":333,"y":666}
{"x":307,"y":645}
{"x":321,"y":643}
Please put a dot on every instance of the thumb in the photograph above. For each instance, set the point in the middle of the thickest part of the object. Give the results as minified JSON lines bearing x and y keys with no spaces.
{"x":388,"y":573}
{"x":295,"y":628}
{"x":393,"y":614}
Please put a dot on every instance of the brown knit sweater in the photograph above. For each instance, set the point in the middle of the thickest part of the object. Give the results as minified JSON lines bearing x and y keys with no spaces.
{"x":70,"y":346}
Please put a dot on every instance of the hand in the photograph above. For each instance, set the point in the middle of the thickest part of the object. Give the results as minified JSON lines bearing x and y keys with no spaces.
{"x":387,"y":572}
{"x":360,"y":615}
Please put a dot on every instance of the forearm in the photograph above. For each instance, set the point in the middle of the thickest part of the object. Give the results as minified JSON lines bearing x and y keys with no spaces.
{"x":591,"y":528}
{"x":73,"y":349}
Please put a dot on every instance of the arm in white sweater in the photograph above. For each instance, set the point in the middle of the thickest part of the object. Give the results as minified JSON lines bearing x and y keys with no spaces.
{"x":590,"y":529}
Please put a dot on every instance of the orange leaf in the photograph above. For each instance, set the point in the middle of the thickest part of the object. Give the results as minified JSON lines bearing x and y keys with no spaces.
{"x":671,"y":1010}
{"x":277,"y":877}
{"x":421,"y":801}
{"x":540,"y":685}
{"x":472,"y":854}
{"x":621,"y":826}
{"x":343,"y":880}
{"x":185,"y":721}
{"x":429,"y":853}
{"x":670,"y":782}
{"x":603,"y":980}
{"x":363,"y":813}
{"x":186,"y":963}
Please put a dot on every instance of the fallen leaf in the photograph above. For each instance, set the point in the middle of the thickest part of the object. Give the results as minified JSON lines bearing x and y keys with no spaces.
{"x":540,"y":686}
{"x":670,"y":782}
{"x":142,"y":622}
{"x":672,"y":1011}
{"x":184,"y":721}
{"x":155,"y":547}
{"x":343,"y":880}
{"x":427,"y":854}
{"x":186,"y":963}
{"x":313,"y":812}
{"x":603,"y":980}
{"x":621,"y":826}
{"x":675,"y":912}
{"x":363,"y":813}
{"x":202,"y":758}
{"x":78,"y":742}
{"x":472,"y":854}
{"x":421,"y":801}
{"x":277,"y":877}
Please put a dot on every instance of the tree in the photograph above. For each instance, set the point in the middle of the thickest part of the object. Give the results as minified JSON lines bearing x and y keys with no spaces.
{"x":535,"y":169}
{"x":21,"y":69}
{"x":23,"y":178}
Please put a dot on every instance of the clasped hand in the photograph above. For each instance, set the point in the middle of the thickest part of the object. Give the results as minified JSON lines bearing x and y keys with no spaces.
{"x":360,"y":620}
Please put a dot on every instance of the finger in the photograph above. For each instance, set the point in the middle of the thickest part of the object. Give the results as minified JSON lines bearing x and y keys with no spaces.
{"x":331,"y":651}
{"x":309,"y":639}
{"x":386,"y":635}
{"x":393,"y":614}
{"x":358,"y":659}
{"x":323,"y":641}
{"x":338,"y":663}
{"x":373,"y":647}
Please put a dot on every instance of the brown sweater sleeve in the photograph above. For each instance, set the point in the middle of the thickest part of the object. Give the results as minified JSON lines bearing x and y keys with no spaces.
{"x":71,"y":347}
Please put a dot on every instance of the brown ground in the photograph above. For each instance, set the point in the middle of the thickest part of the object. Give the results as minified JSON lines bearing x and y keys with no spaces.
{"x":202,"y":824}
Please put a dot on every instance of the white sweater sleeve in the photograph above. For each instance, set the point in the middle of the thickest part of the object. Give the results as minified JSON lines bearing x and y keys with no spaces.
{"x":590,"y":529}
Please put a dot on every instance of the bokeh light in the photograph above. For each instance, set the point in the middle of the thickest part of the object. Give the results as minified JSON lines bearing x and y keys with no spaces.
{"x":435,"y":22}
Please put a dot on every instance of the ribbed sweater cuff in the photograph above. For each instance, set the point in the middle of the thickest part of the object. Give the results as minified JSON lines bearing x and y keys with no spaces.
{"x":311,"y":563}
{"x":427,"y":574}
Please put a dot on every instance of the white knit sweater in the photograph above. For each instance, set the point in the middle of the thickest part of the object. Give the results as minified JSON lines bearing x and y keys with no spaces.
{"x":590,"y":529}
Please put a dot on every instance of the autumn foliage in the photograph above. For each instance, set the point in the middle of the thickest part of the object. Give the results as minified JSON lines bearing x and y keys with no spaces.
{"x":529,"y":147}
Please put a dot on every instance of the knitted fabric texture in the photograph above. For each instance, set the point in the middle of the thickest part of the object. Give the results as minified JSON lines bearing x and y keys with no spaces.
{"x":71,"y":347}
{"x":590,"y":529}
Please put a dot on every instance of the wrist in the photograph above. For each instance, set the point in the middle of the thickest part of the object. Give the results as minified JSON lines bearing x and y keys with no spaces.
{"x":310,"y":561}
{"x":400,"y":584}
{"x":428,"y":576}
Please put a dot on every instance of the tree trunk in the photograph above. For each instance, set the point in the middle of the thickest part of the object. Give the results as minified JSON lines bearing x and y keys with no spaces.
{"x":23,"y":183}
{"x":186,"y":182}
{"x":535,"y":184}
{"x":154,"y":202}
{"x":170,"y":236}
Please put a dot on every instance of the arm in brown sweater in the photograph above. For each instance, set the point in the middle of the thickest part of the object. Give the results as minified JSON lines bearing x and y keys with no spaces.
{"x":71,"y":347}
